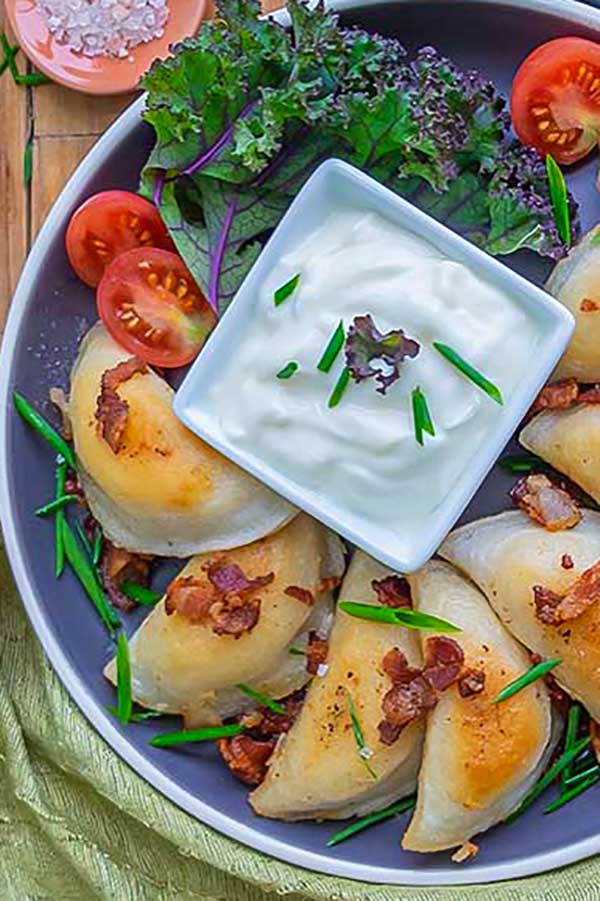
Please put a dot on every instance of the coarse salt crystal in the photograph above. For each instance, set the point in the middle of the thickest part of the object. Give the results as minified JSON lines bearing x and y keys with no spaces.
{"x":322,"y":669}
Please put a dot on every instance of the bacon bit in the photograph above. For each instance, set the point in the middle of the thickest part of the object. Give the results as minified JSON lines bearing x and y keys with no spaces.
{"x":118,"y":566}
{"x":392,"y":591}
{"x":246,"y":757}
{"x":396,"y":666}
{"x":566,"y":561}
{"x":554,"y":609}
{"x":329,"y":584}
{"x":265,"y":723}
{"x":472,"y":682}
{"x":591,"y":396}
{"x":59,"y":399}
{"x":595,"y":738}
{"x":407,"y":700}
{"x":301,"y":594}
{"x":190,"y":597}
{"x":444,"y":660}
{"x":316,"y":652}
{"x":546,"y":503}
{"x":558,"y":396}
{"x":588,"y":306}
{"x":111,"y":410}
{"x":234,"y":616}
{"x":228,"y":577}
{"x":467,"y":851}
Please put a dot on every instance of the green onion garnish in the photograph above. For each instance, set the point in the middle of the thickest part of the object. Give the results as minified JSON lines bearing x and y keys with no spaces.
{"x":288,"y":370}
{"x":363,"y":751}
{"x":370,"y":819}
{"x":140,"y":593}
{"x":9,"y":56}
{"x":124,"y":700}
{"x":145,"y":715}
{"x":167,"y":739}
{"x":333,"y":348}
{"x":297,"y":652}
{"x":469,"y":372}
{"x":340,"y":387}
{"x":521,"y":463}
{"x":532,"y":675}
{"x":421,"y":417}
{"x":596,"y":238}
{"x":570,"y":736}
{"x":33,"y":79}
{"x":43,"y":428}
{"x":261,"y":699}
{"x":97,"y":547}
{"x":549,"y":776}
{"x":397,"y":616}
{"x":84,"y":540}
{"x":576,"y":778}
{"x":59,"y":548}
{"x":567,"y":796}
{"x":286,"y":290}
{"x":559,"y":198}
{"x":56,"y":504}
{"x":87,"y":576}
{"x":28,"y":162}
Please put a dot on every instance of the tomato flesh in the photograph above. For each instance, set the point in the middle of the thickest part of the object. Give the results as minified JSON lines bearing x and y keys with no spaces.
{"x":555,"y":99}
{"x":107,"y":225}
{"x":150,"y":304}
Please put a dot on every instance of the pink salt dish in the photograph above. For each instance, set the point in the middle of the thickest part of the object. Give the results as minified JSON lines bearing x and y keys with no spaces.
{"x":99,"y":74}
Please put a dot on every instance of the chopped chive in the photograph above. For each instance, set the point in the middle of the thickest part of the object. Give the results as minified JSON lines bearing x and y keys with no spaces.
{"x":43,"y":428}
{"x":370,"y":819}
{"x":261,"y":699}
{"x":469,"y":372}
{"x":570,"y":736}
{"x":140,"y":593}
{"x":59,"y":548}
{"x":297,"y":652}
{"x":574,"y":792}
{"x":549,"y":776}
{"x":9,"y":56}
{"x":88,"y":578}
{"x":596,"y":238}
{"x":32,"y":79}
{"x":521,"y":463}
{"x":559,"y":198}
{"x":28,"y":162}
{"x":340,"y":387}
{"x":576,"y":778}
{"x":56,"y":504}
{"x":145,"y":715}
{"x":532,"y":675}
{"x":359,"y":737}
{"x":397,"y":616}
{"x":84,"y":540}
{"x":286,"y":290}
{"x":288,"y":370}
{"x":421,"y":417}
{"x":167,"y":739}
{"x":97,"y":546}
{"x":333,"y":348}
{"x":124,"y":699}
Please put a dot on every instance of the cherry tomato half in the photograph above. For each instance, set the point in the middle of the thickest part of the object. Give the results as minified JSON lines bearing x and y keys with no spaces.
{"x":151,"y":305}
{"x":555,"y":99}
{"x":108,"y":224}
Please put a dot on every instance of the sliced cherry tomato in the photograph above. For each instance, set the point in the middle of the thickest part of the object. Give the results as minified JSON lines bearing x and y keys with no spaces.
{"x":150,"y":304}
{"x":108,"y":224}
{"x":555,"y":99}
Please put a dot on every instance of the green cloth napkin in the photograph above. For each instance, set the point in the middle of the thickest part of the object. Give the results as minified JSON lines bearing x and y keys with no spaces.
{"x":76,"y":823}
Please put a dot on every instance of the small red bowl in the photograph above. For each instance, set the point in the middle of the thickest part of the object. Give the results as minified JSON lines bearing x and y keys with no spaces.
{"x":101,"y":74}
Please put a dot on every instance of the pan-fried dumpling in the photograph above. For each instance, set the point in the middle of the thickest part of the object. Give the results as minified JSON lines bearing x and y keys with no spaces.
{"x":570,"y":441}
{"x":575,"y":281}
{"x":480,"y":758}
{"x":507,"y":555}
{"x":316,"y":771}
{"x":190,"y":660}
{"x":153,"y":486}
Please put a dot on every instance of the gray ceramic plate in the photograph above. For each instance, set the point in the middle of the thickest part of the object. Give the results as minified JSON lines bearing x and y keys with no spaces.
{"x":50,"y":312}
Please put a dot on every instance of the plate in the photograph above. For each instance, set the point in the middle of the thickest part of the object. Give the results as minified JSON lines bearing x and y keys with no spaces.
{"x":51,"y":311}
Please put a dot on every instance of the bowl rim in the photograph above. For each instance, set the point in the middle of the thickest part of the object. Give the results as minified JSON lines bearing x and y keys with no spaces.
{"x":570,"y":11}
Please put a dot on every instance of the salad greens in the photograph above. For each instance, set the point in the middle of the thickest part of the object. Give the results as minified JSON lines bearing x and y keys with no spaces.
{"x":244,"y":112}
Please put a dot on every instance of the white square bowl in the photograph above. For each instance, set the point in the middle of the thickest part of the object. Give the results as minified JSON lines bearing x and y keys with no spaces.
{"x":335,"y":183}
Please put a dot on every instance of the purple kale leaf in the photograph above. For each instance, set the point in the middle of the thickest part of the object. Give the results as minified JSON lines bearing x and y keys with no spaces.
{"x":366,"y":345}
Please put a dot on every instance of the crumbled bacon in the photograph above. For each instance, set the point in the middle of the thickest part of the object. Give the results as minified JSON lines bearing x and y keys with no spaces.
{"x":392,"y":591}
{"x":316,"y":652}
{"x":590,"y":396}
{"x":408,"y":699}
{"x":553,"y":609}
{"x":190,"y":597}
{"x":111,"y":410}
{"x":546,"y":503}
{"x":247,"y":757}
{"x":471,"y":682}
{"x":558,"y":396}
{"x":329,"y":584}
{"x":229,"y":577}
{"x":566,"y":561}
{"x":588,"y":306}
{"x":118,"y":566}
{"x":467,"y":851}
{"x":59,"y":399}
{"x":396,"y":666}
{"x":300,"y":594}
{"x":444,"y":661}
{"x":265,"y":723}
{"x":234,"y":616}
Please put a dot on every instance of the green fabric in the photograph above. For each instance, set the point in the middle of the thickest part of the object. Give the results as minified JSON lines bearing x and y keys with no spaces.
{"x":76,"y":823}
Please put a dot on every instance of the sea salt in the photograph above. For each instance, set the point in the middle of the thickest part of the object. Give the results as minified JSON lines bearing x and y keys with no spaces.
{"x":105,"y":27}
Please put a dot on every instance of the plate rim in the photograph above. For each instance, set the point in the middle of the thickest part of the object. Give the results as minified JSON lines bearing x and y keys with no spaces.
{"x":569,"y":10}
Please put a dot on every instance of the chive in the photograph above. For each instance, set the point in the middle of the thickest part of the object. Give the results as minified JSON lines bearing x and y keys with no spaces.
{"x":43,"y":428}
{"x":28,"y":162}
{"x":596,"y":239}
{"x":32,"y":79}
{"x":559,"y":198}
{"x":88,"y":578}
{"x":167,"y":739}
{"x":421,"y":417}
{"x":340,"y":387}
{"x":124,"y":700}
{"x":576,"y":778}
{"x":469,"y":372}
{"x":263,"y":700}
{"x":549,"y":776}
{"x":56,"y":504}
{"x":97,"y":547}
{"x":297,"y":652}
{"x":532,"y":675}
{"x":357,"y":731}
{"x":571,"y":735}
{"x":370,"y":819}
{"x":59,"y":548}
{"x":288,"y":371}
{"x":333,"y":348}
{"x":574,"y":792}
{"x":397,"y":616}
{"x":84,"y":540}
{"x":136,"y":717}
{"x":521,"y":463}
{"x":286,"y":290}
{"x":9,"y":56}
{"x":140,"y":593}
